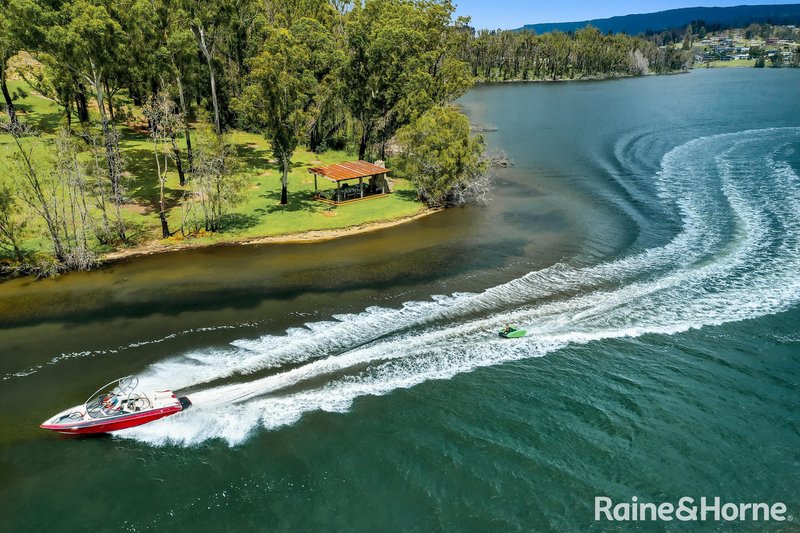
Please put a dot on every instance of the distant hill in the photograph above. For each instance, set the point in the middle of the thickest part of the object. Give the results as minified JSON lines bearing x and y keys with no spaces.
{"x":737,"y":16}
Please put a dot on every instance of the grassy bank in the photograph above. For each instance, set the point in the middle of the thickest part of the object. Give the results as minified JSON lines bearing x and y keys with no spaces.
{"x":735,"y":63}
{"x":258,"y":215}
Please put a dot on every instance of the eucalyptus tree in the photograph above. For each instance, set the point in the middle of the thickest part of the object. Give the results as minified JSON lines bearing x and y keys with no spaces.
{"x":11,"y":224}
{"x":9,"y":45}
{"x":442,"y":159}
{"x":55,"y":189}
{"x":173,"y":67}
{"x":164,"y":120}
{"x":208,"y":21}
{"x":88,"y":41}
{"x":283,"y":86}
{"x":146,"y":63}
{"x":325,"y":39}
{"x":19,"y":24}
{"x":394,"y":72}
{"x":178,"y":44}
{"x":215,"y":185}
{"x":326,"y":58}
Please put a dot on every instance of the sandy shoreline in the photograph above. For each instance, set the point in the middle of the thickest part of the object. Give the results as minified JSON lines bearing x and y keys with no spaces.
{"x":307,"y":237}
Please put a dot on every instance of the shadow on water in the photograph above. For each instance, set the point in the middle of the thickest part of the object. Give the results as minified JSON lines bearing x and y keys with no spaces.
{"x":87,"y":437}
{"x":406,"y":271}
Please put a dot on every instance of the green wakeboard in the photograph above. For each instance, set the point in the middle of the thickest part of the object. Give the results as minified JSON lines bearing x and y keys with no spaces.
{"x":515,"y":334}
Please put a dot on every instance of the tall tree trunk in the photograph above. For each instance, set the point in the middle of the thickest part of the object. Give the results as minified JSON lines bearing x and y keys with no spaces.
{"x":164,"y":225}
{"x":186,"y":129}
{"x":12,"y":114}
{"x":81,"y":106}
{"x":284,"y":182}
{"x":105,"y":236}
{"x":110,"y":103}
{"x":112,"y":153}
{"x":209,"y":55}
{"x":217,"y":126}
{"x":18,"y":255}
{"x":362,"y":145}
{"x":177,"y":156}
{"x":108,"y":141}
{"x":189,"y":153}
{"x":162,"y":176}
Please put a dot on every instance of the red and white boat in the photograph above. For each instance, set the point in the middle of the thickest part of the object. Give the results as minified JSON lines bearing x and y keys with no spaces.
{"x":116,"y":406}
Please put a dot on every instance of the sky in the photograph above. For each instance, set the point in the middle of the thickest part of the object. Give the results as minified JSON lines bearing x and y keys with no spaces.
{"x":508,"y":14}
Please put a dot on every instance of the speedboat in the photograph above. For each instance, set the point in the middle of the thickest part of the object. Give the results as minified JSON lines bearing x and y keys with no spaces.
{"x":117,"y":405}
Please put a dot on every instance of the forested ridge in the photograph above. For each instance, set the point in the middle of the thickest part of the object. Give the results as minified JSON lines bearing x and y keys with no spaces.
{"x":648,"y":23}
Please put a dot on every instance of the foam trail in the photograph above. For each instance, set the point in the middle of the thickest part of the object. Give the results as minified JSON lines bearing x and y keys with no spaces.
{"x":735,"y":258}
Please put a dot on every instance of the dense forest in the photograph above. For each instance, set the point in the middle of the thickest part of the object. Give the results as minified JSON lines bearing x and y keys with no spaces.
{"x":187,"y":76}
{"x":585,"y":53}
{"x":353,"y":73}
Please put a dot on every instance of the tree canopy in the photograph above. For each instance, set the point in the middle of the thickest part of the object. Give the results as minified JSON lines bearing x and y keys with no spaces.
{"x":441,"y":158}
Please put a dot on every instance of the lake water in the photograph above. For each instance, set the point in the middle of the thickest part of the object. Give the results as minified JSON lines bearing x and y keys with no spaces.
{"x":647,"y":237}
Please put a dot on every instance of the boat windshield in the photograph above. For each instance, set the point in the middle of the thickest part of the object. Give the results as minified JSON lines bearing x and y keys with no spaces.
{"x":113,"y":399}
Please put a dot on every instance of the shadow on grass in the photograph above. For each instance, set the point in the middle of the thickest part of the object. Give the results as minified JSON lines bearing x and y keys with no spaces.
{"x":138,"y":231}
{"x":43,"y":122}
{"x":300,"y":201}
{"x":141,"y":182}
{"x":406,"y":195}
{"x":257,"y":159}
{"x":239,"y":222}
{"x":253,"y":159}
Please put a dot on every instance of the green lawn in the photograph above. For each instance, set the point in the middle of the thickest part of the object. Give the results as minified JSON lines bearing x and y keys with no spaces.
{"x":259,"y":215}
{"x":736,"y":63}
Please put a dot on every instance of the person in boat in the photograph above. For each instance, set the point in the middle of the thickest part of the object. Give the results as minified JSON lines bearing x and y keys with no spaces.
{"x":111,"y":403}
{"x":508,"y":329}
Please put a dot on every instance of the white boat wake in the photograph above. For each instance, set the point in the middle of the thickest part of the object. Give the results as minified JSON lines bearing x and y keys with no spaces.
{"x":735,"y":257}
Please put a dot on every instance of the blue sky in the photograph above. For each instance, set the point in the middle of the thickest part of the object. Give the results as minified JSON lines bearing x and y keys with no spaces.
{"x":495,"y":14}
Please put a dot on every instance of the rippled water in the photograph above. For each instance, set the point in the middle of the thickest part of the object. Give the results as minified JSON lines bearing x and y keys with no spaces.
{"x":646,"y":237}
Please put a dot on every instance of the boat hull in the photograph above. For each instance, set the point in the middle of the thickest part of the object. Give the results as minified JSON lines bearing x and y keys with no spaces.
{"x":114,"y":424}
{"x":77,"y":421}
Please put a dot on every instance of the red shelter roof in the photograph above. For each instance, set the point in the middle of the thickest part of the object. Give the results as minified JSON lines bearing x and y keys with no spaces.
{"x":348,"y":170}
